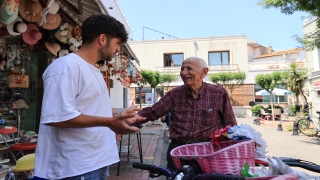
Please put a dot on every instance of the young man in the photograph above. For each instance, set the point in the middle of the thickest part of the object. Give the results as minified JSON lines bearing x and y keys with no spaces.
{"x":78,"y":126}
{"x":197,"y":108}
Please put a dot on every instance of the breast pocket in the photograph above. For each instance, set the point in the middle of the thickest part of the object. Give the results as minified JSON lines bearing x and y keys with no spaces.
{"x":181,"y":114}
{"x":209,"y":116}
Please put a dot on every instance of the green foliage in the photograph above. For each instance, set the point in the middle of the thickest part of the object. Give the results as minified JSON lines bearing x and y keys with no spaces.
{"x":294,"y":79}
{"x":289,"y":7}
{"x":166,"y":79}
{"x":275,"y":107}
{"x":289,"y":128}
{"x":266,"y":82}
{"x":151,"y":77}
{"x":256,"y":110}
{"x":230,"y":80}
{"x":295,"y":108}
{"x":245,"y":171}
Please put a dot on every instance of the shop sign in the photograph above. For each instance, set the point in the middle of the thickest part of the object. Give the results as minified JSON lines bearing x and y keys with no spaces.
{"x":316,"y":85}
{"x":149,"y":98}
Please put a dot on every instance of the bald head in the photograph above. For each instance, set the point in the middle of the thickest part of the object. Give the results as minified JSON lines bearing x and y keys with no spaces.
{"x":201,"y":62}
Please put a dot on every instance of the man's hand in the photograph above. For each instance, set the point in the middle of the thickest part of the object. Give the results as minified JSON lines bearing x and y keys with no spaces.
{"x":132,"y":110}
{"x":121,"y":124}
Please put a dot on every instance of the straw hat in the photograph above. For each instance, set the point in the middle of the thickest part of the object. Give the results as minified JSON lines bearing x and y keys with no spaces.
{"x":17,"y":27}
{"x":30,"y":10}
{"x":8,"y":11}
{"x":25,"y":163}
{"x":54,"y":48}
{"x":64,"y":33}
{"x":32,"y":34}
{"x":63,"y":52}
{"x":77,"y":32}
{"x":53,"y":21}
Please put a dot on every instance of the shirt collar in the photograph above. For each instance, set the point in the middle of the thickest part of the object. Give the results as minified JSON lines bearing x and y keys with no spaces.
{"x":201,"y":92}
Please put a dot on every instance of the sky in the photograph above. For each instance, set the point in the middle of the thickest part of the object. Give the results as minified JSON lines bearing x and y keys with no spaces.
{"x":211,"y":18}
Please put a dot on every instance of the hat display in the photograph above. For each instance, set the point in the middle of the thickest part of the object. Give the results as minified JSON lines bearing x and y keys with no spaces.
{"x":32,"y":34}
{"x":75,"y":44}
{"x":17,"y":27}
{"x":30,"y":10}
{"x":8,"y":11}
{"x":3,"y":33}
{"x":77,"y":32}
{"x":52,"y":8}
{"x":53,"y":21}
{"x":64,"y":33}
{"x":25,"y":163}
{"x":63,"y":52}
{"x":54,"y":48}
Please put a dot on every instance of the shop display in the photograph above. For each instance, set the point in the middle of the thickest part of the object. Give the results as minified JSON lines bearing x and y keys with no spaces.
{"x":34,"y":25}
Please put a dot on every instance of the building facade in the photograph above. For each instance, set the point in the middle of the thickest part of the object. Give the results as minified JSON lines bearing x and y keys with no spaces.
{"x":222,"y":54}
{"x":312,"y":85}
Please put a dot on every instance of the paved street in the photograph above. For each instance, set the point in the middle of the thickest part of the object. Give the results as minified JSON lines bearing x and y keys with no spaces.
{"x":280,"y":143}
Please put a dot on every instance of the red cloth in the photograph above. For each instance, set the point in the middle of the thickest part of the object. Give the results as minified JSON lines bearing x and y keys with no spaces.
{"x":193,"y":119}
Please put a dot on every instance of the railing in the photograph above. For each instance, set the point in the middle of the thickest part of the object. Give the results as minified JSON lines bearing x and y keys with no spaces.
{"x":176,"y":69}
{"x":275,"y":65}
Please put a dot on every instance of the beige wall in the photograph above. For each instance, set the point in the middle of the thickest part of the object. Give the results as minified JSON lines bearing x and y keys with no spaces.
{"x":150,"y":53}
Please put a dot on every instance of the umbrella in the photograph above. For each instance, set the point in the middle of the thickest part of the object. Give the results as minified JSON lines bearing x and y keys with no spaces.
{"x":281,"y":92}
{"x":276,"y":91}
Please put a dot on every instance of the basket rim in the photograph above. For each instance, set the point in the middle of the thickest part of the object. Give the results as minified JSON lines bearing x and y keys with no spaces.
{"x":237,"y":143}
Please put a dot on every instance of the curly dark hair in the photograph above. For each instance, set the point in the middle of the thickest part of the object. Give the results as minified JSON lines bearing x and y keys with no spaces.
{"x":98,"y":24}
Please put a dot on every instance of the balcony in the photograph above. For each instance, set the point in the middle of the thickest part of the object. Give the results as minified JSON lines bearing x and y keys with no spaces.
{"x":275,"y":66}
{"x":176,"y":69}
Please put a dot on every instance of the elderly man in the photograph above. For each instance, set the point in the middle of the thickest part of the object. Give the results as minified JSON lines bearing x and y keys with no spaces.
{"x":197,"y":108}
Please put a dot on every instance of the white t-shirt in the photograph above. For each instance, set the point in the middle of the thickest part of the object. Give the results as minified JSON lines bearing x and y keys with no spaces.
{"x":73,"y":87}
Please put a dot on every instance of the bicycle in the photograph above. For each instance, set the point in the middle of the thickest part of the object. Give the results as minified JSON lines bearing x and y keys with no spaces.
{"x":308,"y":125}
{"x":192,"y":171}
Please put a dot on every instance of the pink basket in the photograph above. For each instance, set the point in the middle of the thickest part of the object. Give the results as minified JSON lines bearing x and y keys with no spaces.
{"x":227,"y":158}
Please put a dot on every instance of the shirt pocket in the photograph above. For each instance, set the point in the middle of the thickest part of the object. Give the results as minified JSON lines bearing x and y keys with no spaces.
{"x":209,"y":117}
{"x":181,"y":114}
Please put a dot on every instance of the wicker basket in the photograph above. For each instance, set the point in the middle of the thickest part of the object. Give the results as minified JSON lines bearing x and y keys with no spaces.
{"x":227,"y":158}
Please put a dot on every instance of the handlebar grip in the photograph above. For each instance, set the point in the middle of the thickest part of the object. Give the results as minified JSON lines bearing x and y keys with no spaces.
{"x":142,"y":166}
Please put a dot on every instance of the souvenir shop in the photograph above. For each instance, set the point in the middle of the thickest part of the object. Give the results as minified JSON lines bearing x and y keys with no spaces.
{"x":33,"y":33}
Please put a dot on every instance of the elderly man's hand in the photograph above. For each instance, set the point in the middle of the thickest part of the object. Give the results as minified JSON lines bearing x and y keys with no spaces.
{"x":136,"y":119}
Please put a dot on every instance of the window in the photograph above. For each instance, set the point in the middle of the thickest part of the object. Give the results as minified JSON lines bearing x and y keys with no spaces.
{"x":159,"y":90}
{"x":173,"y":59}
{"x":266,"y":99}
{"x":219,"y":58}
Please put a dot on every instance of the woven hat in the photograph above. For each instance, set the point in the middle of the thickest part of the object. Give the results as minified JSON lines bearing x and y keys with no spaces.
{"x":30,"y":10}
{"x":77,"y":32}
{"x":25,"y":163}
{"x":51,"y":8}
{"x":64,"y":34}
{"x":54,"y":48}
{"x":17,"y":27}
{"x":63,"y":52}
{"x":3,"y":33}
{"x":8,"y":11}
{"x":53,"y":21}
{"x":32,"y":34}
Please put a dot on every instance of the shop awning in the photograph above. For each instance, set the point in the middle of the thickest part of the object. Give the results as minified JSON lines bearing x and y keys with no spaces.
{"x":77,"y":11}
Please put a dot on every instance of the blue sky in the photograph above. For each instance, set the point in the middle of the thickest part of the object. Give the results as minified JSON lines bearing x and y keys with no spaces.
{"x":207,"y":18}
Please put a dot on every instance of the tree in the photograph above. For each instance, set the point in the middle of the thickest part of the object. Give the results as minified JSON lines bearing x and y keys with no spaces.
{"x":229,"y":80}
{"x":269,"y":82}
{"x":152,"y":78}
{"x":289,"y":7}
{"x":166,"y":79}
{"x":295,"y":80}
